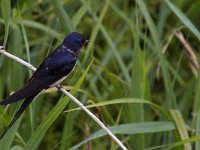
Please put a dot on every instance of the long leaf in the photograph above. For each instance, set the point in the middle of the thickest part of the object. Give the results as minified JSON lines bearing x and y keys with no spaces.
{"x":131,"y":128}
{"x":63,"y":16}
{"x":6,"y":13}
{"x":184,"y":19}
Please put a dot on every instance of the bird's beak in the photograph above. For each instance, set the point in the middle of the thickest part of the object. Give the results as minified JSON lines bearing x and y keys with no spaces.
{"x":86,"y":42}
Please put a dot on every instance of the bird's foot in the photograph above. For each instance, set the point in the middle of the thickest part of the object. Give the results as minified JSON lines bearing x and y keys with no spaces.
{"x":2,"y":47}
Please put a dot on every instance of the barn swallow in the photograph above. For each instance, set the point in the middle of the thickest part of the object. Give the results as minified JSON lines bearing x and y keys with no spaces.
{"x":53,"y":70}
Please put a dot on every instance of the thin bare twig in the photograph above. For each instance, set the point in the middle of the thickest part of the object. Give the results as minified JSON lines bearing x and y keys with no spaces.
{"x":60,"y":88}
{"x":189,"y":52}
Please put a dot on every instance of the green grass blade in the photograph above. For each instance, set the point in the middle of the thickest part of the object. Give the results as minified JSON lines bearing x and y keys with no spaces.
{"x":180,"y":124}
{"x":68,"y":129}
{"x":96,"y":30}
{"x":6,"y":13}
{"x":124,"y":101}
{"x":129,"y":129}
{"x":37,"y":25}
{"x":114,"y":49}
{"x":17,"y":147}
{"x":189,"y":140}
{"x":24,"y":34}
{"x":120,"y":13}
{"x":116,"y":54}
{"x":6,"y":10}
{"x":63,"y":16}
{"x":137,"y":91}
{"x":158,"y":48}
{"x":184,"y":19}
{"x":6,"y":141}
{"x":197,"y":111}
{"x":79,"y":15}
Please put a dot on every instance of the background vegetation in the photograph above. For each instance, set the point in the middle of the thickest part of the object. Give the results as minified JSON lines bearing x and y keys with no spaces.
{"x":144,"y":81}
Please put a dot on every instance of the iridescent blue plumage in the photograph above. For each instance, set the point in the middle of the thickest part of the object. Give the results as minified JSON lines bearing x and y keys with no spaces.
{"x":54,"y":69}
{"x":74,"y":41}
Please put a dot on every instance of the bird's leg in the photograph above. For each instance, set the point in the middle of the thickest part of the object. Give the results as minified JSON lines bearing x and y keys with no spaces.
{"x":58,"y":86}
{"x":2,"y":47}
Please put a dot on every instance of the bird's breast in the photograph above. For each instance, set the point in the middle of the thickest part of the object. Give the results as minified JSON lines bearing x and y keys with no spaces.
{"x":58,"y":82}
{"x":63,"y":78}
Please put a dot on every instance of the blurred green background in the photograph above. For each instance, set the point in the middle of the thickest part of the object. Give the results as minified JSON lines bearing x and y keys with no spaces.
{"x":144,"y":81}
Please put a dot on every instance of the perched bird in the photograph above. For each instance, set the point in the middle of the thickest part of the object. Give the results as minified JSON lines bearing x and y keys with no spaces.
{"x":53,"y":70}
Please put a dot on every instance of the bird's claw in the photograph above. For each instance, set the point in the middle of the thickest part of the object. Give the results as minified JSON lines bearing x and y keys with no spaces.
{"x":2,"y":47}
{"x":58,"y":86}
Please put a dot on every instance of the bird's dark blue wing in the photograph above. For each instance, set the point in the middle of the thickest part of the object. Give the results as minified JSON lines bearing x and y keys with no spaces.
{"x":57,"y":65}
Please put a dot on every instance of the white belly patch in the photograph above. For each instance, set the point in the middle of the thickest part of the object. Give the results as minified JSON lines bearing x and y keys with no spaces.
{"x":63,"y":78}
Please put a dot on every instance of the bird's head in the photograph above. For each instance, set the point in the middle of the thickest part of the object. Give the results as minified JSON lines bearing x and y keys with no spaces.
{"x":74,"y":41}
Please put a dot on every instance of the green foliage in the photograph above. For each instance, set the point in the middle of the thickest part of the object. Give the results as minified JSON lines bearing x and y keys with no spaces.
{"x":144,"y":82}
